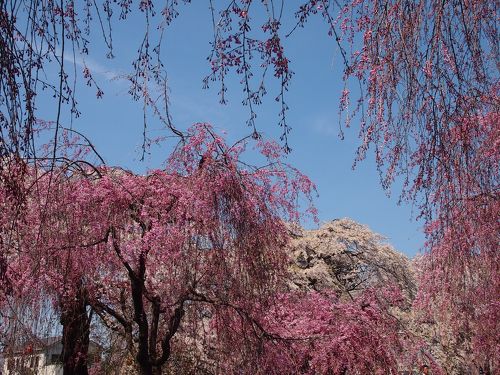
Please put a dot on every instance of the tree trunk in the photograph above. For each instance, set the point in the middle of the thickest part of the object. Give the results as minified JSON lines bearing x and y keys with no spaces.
{"x":148,"y":369}
{"x":75,"y":340}
{"x":145,"y":368}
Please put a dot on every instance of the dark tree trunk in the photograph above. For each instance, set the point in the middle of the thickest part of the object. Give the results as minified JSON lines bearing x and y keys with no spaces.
{"x":145,"y":368}
{"x":148,"y":360}
{"x":75,"y":340}
{"x":148,"y":369}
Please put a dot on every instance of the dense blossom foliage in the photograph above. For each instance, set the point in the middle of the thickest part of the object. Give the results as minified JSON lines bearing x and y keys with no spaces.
{"x":187,"y":266}
{"x":347,"y":257}
{"x":461,"y":269}
{"x":326,"y":335}
{"x":461,"y":276}
{"x":427,"y":103}
{"x":430,"y":108}
{"x":150,"y":253}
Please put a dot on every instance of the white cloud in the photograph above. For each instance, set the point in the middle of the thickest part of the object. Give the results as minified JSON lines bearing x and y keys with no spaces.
{"x":325,"y":124}
{"x":94,"y":66}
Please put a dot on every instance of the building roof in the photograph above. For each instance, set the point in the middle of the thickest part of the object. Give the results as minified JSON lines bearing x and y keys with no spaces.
{"x":35,"y":345}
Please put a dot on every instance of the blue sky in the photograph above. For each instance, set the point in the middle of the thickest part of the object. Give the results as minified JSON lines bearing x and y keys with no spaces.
{"x":114,"y":123}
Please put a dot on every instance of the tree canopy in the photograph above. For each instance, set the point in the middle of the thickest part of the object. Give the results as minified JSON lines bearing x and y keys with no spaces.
{"x":421,"y":81}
